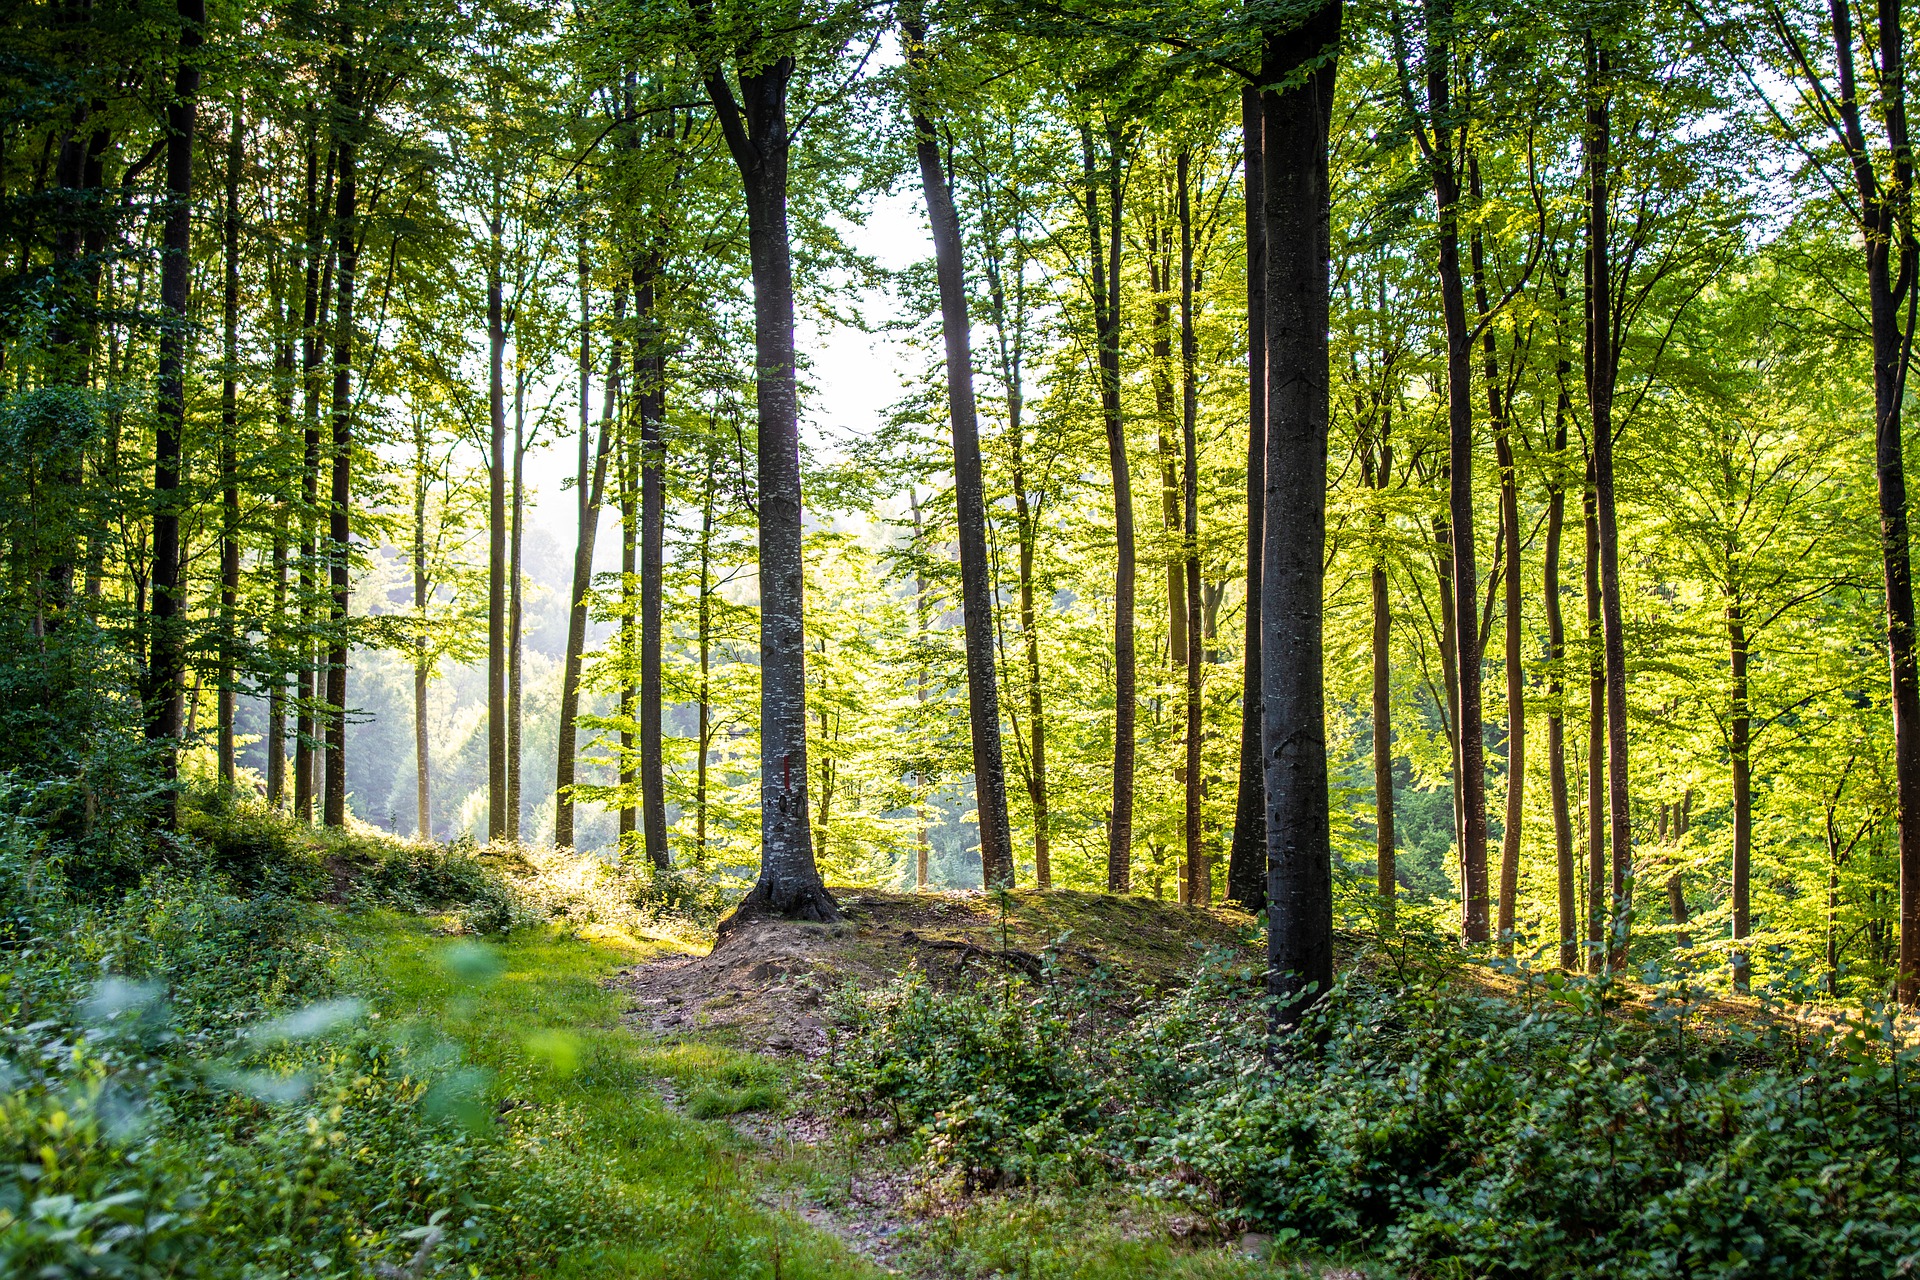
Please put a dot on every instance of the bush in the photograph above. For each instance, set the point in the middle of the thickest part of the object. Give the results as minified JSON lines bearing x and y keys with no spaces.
{"x":990,"y":1080}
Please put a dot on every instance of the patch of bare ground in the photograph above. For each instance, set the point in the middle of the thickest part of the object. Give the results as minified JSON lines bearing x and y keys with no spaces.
{"x":763,"y":985}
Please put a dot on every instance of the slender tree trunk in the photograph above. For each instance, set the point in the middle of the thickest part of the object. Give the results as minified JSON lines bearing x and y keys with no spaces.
{"x":969,"y":490}
{"x":629,"y":447}
{"x":516,"y":587}
{"x":650,"y":370}
{"x":347,"y":236}
{"x":1563,"y":860}
{"x":422,"y":664}
{"x":1739,"y":743}
{"x":497,"y":828}
{"x":1385,"y":849}
{"x":166,"y":656}
{"x":1247,"y":860}
{"x":230,"y":449}
{"x":1602,"y":365}
{"x":315,"y":304}
{"x":1596,"y":744}
{"x":1298,"y":217}
{"x":756,"y":133}
{"x":705,"y":625}
{"x":1676,"y":890}
{"x":276,"y":644}
{"x":1104,"y":256}
{"x":1199,"y":874}
{"x":589,"y":477}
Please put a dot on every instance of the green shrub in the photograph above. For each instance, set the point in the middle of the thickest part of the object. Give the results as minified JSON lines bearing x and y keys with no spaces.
{"x":991,"y":1081}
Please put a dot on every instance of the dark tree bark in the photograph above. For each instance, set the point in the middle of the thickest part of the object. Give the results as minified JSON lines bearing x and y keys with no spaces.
{"x":650,"y":375}
{"x":229,"y":448}
{"x":317,"y":292}
{"x":755,"y":126}
{"x":516,"y":597}
{"x":497,"y":828}
{"x":1739,"y":748}
{"x":1596,"y":743}
{"x":277,"y":652}
{"x":347,"y":239}
{"x":1199,"y":874}
{"x":166,"y":656}
{"x":1298,"y":216}
{"x":1378,"y":465}
{"x":1563,"y":860}
{"x":1247,"y":860}
{"x":1602,"y":371}
{"x":1104,"y":259}
{"x":969,"y":489}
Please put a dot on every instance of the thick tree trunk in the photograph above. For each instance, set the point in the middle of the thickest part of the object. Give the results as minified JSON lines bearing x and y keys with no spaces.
{"x":497,"y":828}
{"x":1739,"y":747}
{"x":1563,"y":860}
{"x":1602,"y":369}
{"x":1199,"y":873}
{"x":756,"y":133}
{"x":229,"y":449}
{"x":650,"y":372}
{"x":347,"y":238}
{"x":969,"y":492}
{"x":1247,"y":859}
{"x":1298,"y":217}
{"x":1104,"y":258}
{"x":167,"y":654}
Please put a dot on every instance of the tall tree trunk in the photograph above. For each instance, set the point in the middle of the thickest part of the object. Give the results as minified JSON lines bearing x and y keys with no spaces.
{"x":629,"y":447}
{"x":589,"y":477}
{"x":1385,"y":850}
{"x":1510,"y":534}
{"x":1892,"y":254}
{"x":347,"y":237}
{"x":316,"y":298}
{"x":1596,"y":743}
{"x":1739,"y":744}
{"x":516,"y":597}
{"x":969,"y":487}
{"x":1159,"y":258}
{"x":1199,"y":874}
{"x":1104,"y":255}
{"x":229,"y":448}
{"x":756,"y":133}
{"x":497,"y":828}
{"x":166,"y":657}
{"x":1676,"y":890}
{"x":1602,"y":369}
{"x":1472,"y":787}
{"x":276,"y":647}
{"x":705,"y":707}
{"x":1298,"y":217}
{"x":422,"y":664}
{"x":1563,"y":861}
{"x":650,"y":373}
{"x":1247,"y":860}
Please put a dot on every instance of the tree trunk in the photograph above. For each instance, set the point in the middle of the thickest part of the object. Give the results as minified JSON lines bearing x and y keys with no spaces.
{"x":166,"y":657}
{"x":1385,"y":849}
{"x":756,"y":133}
{"x":315,"y":304}
{"x":969,"y":490}
{"x":1602,"y":369}
{"x":1739,"y":746}
{"x":1472,"y":786}
{"x":1297,"y":204}
{"x":1105,"y":260}
{"x":629,"y":447}
{"x":347,"y":238}
{"x":1199,"y":874}
{"x":276,"y":743}
{"x":705,"y":625}
{"x":1247,"y":860}
{"x":1596,"y":743}
{"x":650,"y":375}
{"x":229,"y":449}
{"x":516,"y":598}
{"x":1556,"y":702}
{"x":588,"y":482}
{"x":497,"y":828}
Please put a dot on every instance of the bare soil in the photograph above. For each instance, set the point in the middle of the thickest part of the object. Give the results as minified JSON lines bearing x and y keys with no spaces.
{"x":763,"y":985}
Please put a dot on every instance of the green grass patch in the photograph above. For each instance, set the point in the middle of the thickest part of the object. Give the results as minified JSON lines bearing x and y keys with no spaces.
{"x":553,"y":1073}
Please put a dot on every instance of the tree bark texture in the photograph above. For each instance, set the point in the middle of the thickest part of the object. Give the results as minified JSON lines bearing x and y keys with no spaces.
{"x":650,"y":377}
{"x":347,"y":241}
{"x":229,"y":448}
{"x":1247,"y":859}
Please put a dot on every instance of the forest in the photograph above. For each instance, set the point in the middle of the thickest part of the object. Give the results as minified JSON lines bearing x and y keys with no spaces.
{"x":1071,"y":638}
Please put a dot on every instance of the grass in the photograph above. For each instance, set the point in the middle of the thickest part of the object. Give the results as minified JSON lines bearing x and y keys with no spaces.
{"x":560,"y":1078}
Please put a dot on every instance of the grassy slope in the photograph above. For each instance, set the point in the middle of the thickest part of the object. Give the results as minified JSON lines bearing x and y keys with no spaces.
{"x":694,"y":1195}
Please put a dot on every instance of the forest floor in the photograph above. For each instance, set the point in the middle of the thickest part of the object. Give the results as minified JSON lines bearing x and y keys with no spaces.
{"x":685,"y":1076}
